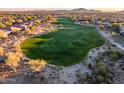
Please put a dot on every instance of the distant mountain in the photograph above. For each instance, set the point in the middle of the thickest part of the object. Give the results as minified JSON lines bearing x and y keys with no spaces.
{"x":95,"y":10}
{"x":121,"y":11}
{"x":80,"y":9}
{"x":85,"y":10}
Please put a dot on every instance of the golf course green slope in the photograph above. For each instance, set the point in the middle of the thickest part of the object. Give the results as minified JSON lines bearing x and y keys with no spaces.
{"x":63,"y":47}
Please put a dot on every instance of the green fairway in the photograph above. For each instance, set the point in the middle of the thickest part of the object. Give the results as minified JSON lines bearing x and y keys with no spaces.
{"x":63,"y":47}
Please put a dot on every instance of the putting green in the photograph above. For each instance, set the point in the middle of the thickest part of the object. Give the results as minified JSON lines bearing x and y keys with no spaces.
{"x":65,"y":46}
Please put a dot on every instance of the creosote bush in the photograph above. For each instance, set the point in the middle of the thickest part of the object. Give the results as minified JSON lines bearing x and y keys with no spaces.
{"x":37,"y":65}
{"x":1,"y":51}
{"x":28,"y":31}
{"x":115,"y":27}
{"x":3,"y":34}
{"x":2,"y":25}
{"x":115,"y":54}
{"x":100,"y":74}
{"x":13,"y":60}
{"x":101,"y":68}
{"x":100,"y":78}
{"x":16,"y":46}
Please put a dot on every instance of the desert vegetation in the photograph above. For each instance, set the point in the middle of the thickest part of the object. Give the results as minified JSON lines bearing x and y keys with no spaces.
{"x":13,"y":60}
{"x":67,"y":47}
{"x":3,"y":35}
{"x":37,"y":65}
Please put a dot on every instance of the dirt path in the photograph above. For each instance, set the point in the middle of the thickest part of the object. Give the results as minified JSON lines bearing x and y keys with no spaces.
{"x":104,"y":34}
{"x":112,"y":41}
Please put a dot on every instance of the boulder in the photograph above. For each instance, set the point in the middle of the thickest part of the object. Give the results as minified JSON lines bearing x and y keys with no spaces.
{"x":2,"y":59}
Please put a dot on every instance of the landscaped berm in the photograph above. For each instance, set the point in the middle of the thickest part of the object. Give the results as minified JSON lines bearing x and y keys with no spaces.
{"x":63,"y":47}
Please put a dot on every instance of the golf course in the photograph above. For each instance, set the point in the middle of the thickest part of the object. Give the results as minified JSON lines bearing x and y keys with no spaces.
{"x":65,"y":46}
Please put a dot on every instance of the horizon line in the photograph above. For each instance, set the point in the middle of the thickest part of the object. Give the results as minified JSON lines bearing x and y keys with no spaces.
{"x":32,"y":9}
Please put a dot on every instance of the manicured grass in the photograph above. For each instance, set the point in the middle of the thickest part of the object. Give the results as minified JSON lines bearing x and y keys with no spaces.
{"x":65,"y":46}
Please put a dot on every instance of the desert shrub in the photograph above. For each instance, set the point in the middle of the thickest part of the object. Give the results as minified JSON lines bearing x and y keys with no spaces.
{"x":13,"y":60}
{"x":101,"y":68}
{"x":115,"y":54}
{"x":8,"y":23}
{"x":19,"y":21}
{"x":16,"y":47}
{"x":100,"y":74}
{"x":100,"y":78}
{"x":14,"y":29}
{"x":28,"y":17}
{"x":37,"y":23}
{"x":109,"y":75}
{"x":3,"y":35}
{"x":1,"y":51}
{"x":28,"y":31}
{"x":50,"y":18}
{"x":101,"y":27}
{"x":2,"y":25}
{"x":37,"y":65}
{"x":115,"y":27}
{"x":33,"y":28}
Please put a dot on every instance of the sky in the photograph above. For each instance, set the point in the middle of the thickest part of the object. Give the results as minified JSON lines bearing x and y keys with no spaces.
{"x":105,"y":5}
